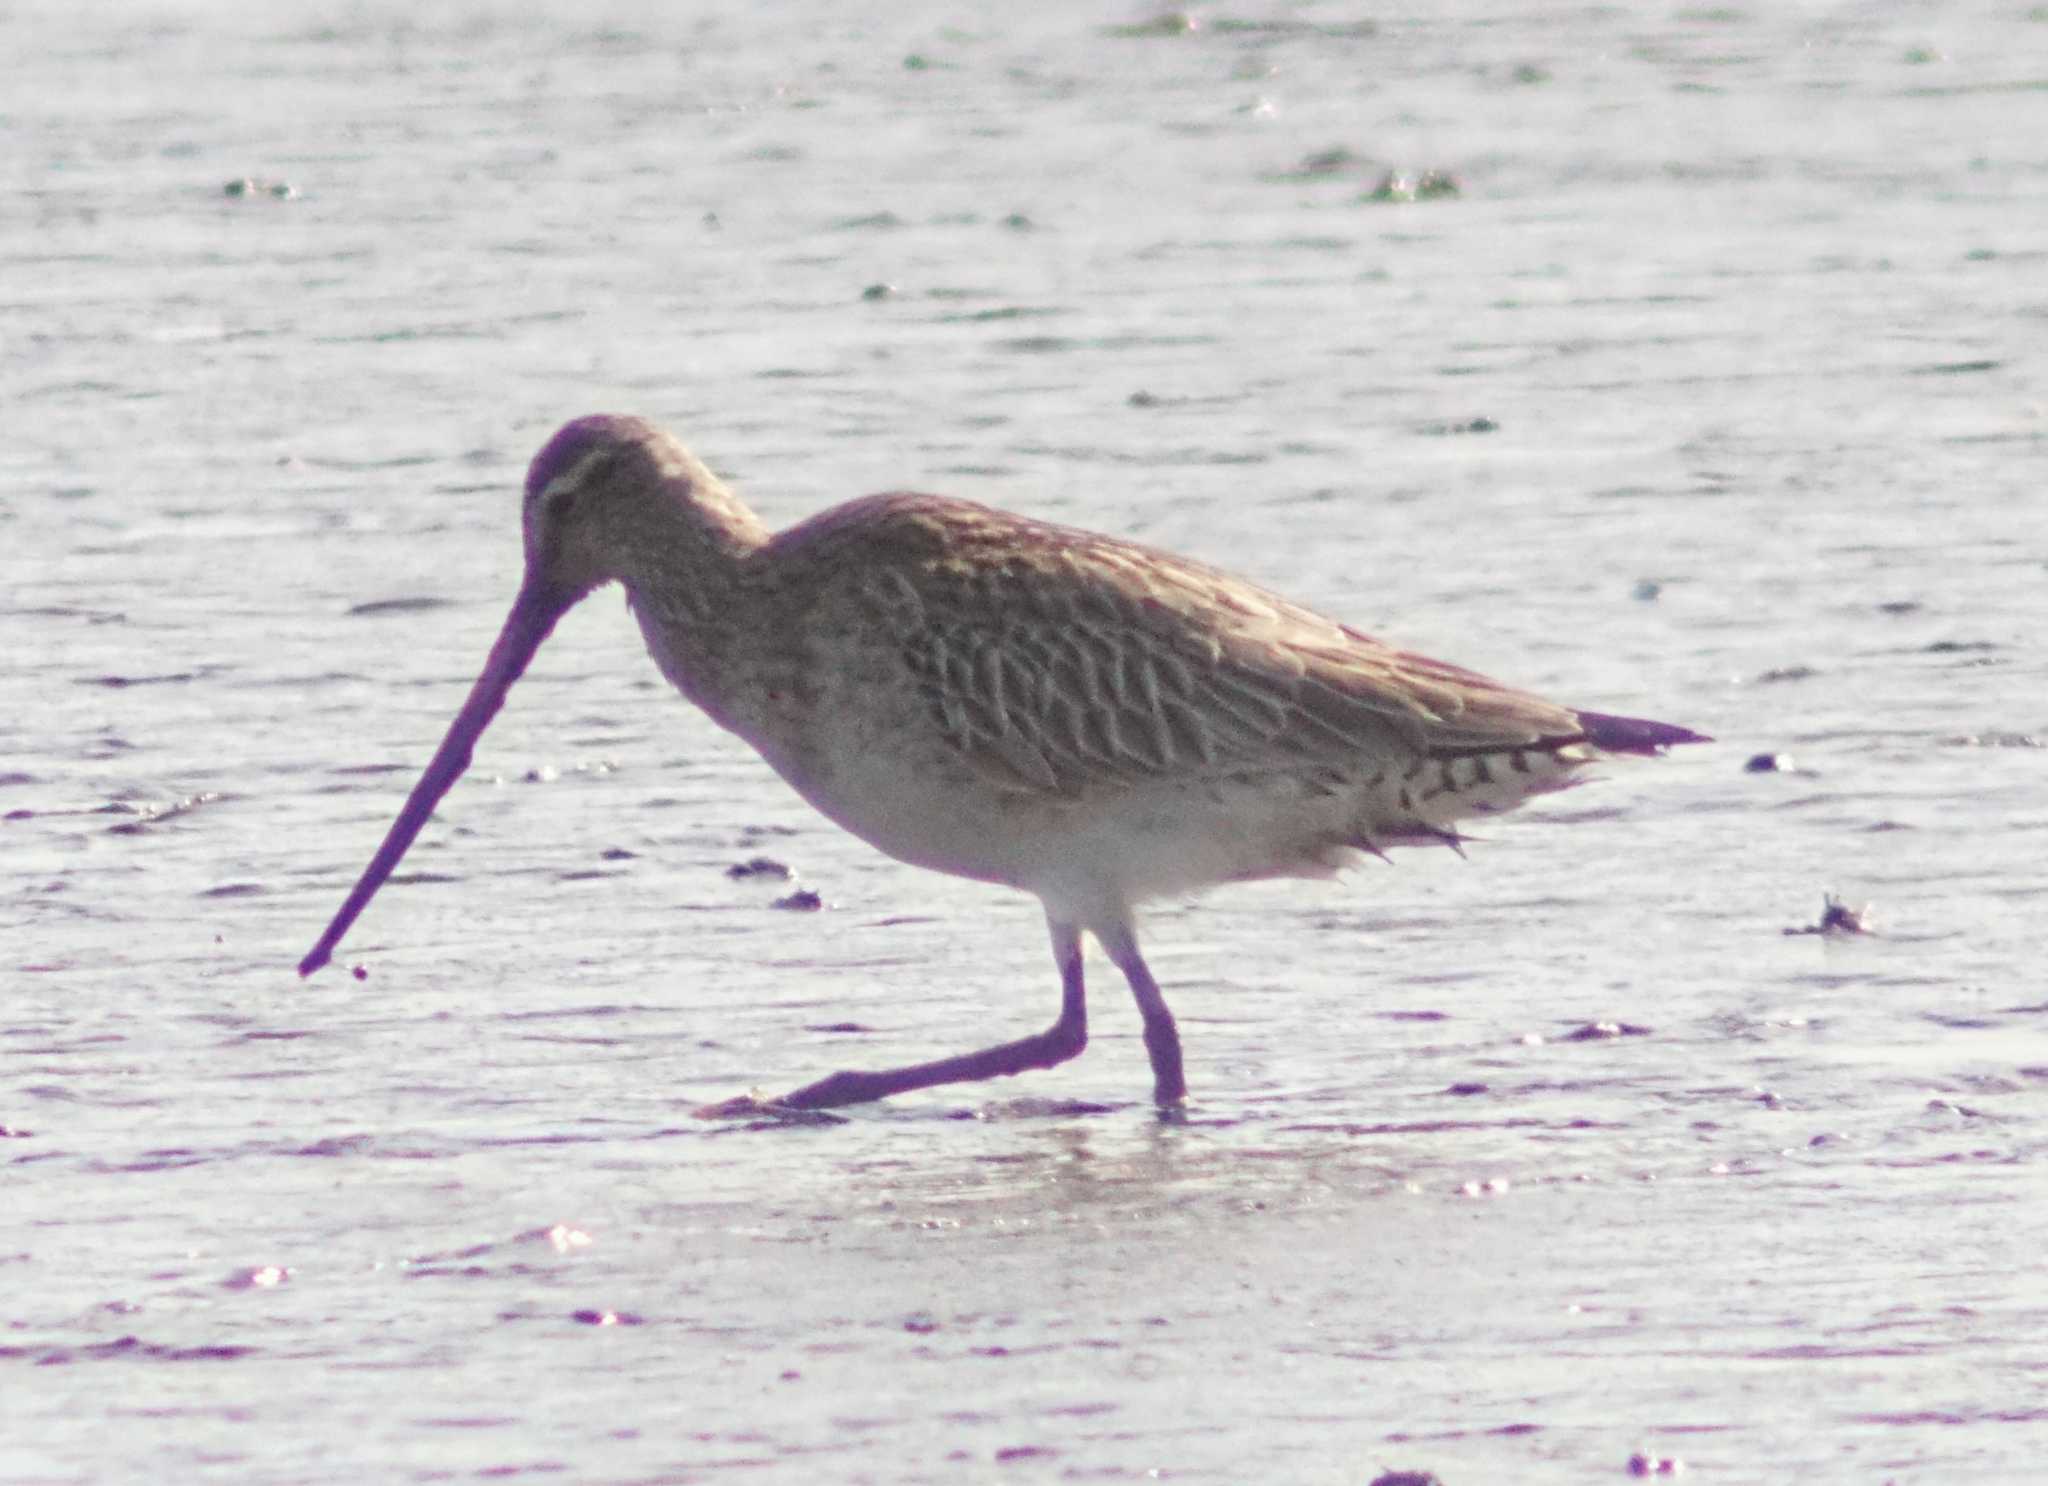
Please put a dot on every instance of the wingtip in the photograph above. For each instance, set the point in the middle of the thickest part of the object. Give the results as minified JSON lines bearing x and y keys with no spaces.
{"x":1638,"y":735}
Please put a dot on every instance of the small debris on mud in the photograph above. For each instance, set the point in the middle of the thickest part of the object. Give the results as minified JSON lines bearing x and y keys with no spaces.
{"x":1949,"y":1106}
{"x":261,"y":1277}
{"x":1328,"y":162}
{"x":1466,"y":1091}
{"x":1643,"y":1463}
{"x":760,"y":867}
{"x":1996,"y":740}
{"x":1604,"y":1032}
{"x":1839,"y":918}
{"x":1770,"y":763}
{"x":360,"y":972}
{"x":153,"y":815}
{"x":1167,"y":23}
{"x":1431,"y":185}
{"x":1406,"y":1478}
{"x":803,"y":900}
{"x":1961,"y":647}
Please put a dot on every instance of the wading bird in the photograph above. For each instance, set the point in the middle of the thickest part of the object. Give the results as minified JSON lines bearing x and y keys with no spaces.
{"x":1091,"y":721}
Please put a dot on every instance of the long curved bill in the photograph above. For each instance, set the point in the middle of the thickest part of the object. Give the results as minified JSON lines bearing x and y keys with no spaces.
{"x":532,"y":619}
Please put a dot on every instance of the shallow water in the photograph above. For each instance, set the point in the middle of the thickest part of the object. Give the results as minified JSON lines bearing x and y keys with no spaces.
{"x":1715,"y":396}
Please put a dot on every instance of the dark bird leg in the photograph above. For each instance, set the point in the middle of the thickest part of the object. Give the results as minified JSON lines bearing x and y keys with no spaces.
{"x":1162,"y":1038}
{"x":1064,"y":1039}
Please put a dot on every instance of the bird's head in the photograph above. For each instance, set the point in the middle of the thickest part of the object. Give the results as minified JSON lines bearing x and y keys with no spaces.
{"x":604,"y":498}
{"x":583,"y":492}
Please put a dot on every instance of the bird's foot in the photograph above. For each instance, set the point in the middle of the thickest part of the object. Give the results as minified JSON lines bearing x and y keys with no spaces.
{"x":759,"y":1108}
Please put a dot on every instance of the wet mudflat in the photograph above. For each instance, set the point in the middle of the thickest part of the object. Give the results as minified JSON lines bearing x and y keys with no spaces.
{"x":1712,"y":393}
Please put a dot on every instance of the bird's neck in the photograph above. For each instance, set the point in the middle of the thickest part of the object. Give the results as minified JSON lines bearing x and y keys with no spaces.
{"x":687,"y":577}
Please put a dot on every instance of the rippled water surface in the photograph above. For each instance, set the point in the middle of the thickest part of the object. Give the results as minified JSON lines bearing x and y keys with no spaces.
{"x":1714,"y":394}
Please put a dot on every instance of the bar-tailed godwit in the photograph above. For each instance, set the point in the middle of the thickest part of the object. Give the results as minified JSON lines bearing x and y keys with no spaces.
{"x":1094,"y":722}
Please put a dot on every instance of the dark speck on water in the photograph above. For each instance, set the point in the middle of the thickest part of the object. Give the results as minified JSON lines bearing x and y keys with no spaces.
{"x":1643,"y":1463}
{"x":803,"y":900}
{"x":155,"y":815}
{"x":1998,"y":740}
{"x":760,"y":867}
{"x":248,"y":186}
{"x":1769,"y":763}
{"x":1431,"y":185}
{"x":120,"y":682}
{"x":1463,"y":425}
{"x":419,"y":605}
{"x":1839,"y":918}
{"x":1604,"y":1032}
{"x":1329,"y":162}
{"x":1168,"y":23}
{"x":1962,"y":647}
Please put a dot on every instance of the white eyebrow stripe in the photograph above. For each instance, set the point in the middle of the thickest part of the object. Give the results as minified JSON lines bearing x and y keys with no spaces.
{"x":572,"y":477}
